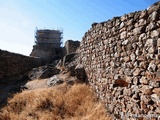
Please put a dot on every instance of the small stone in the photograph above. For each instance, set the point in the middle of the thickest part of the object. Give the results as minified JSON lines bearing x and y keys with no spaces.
{"x":104,"y":75}
{"x":128,"y":72}
{"x":151,"y":50}
{"x":151,"y":42}
{"x":123,"y":54}
{"x":135,"y":109}
{"x":123,"y":18}
{"x":158,"y":42}
{"x":136,"y":72}
{"x":143,"y":80}
{"x":133,"y":57}
{"x":121,"y":25}
{"x":136,"y":25}
{"x":125,"y":42}
{"x":153,"y":8}
{"x":136,"y":90}
{"x":135,"y":80}
{"x":141,"y":58}
{"x":116,"y":76}
{"x":123,"y":35}
{"x":143,"y":14}
{"x":141,"y":22}
{"x":127,"y":58}
{"x":128,"y":79}
{"x":158,"y":50}
{"x":146,"y":89}
{"x":153,"y":16}
{"x":142,"y":36}
{"x":131,"y":15}
{"x":144,"y":106}
{"x":129,"y":48}
{"x":155,"y":98}
{"x":138,"y":30}
{"x":106,"y":42}
{"x":134,"y":45}
{"x":158,"y":73}
{"x":155,"y":33}
{"x":136,"y":16}
{"x":156,"y":90}
{"x":54,"y":81}
{"x":152,"y":67}
{"x":151,"y":26}
{"x":127,"y":92}
{"x":157,"y":110}
{"x":117,"y":54}
{"x":145,"y":98}
{"x":120,"y":83}
{"x":130,"y":22}
{"x":137,"y":52}
{"x":136,"y":64}
{"x":154,"y":84}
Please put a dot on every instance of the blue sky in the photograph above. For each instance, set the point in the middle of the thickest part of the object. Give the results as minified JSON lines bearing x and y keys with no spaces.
{"x":19,"y":18}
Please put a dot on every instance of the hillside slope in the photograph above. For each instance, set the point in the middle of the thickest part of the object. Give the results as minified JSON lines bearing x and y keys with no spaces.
{"x":69,"y":102}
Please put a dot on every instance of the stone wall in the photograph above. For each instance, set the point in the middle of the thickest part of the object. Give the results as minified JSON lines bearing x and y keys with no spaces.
{"x":71,"y":46}
{"x":13,"y":66}
{"x":47,"y":52}
{"x":122,"y":60}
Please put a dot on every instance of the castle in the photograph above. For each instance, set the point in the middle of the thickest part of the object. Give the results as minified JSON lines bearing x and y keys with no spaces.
{"x":50,"y":37}
{"x":47,"y":45}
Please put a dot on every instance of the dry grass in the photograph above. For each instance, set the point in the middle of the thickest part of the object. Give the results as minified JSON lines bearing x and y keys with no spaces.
{"x":62,"y":102}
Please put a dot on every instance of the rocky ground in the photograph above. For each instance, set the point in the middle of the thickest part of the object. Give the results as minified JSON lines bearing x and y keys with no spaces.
{"x":58,"y":96}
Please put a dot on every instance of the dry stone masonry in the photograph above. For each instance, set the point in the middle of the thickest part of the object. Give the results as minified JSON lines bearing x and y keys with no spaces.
{"x":47,"y":52}
{"x":71,"y":46}
{"x":13,"y":66}
{"x":122,"y":60}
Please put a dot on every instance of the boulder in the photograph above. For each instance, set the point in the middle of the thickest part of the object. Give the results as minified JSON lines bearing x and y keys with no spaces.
{"x":43,"y":72}
{"x":54,"y":81}
{"x":80,"y":73}
{"x":72,"y":70}
{"x":71,"y":46}
{"x":68,"y":58}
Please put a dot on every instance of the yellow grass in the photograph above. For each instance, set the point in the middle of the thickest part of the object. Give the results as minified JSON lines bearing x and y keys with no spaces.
{"x":62,"y":102}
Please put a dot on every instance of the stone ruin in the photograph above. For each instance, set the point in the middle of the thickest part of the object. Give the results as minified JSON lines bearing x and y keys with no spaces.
{"x":48,"y":45}
{"x":121,"y":58}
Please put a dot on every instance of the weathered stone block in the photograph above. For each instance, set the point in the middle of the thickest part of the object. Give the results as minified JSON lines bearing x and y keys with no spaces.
{"x":138,"y":30}
{"x":125,"y":42}
{"x":142,"y":22}
{"x":156,"y":91}
{"x":155,"y":98}
{"x":123,"y":35}
{"x":146,"y":89}
{"x":151,"y":26}
{"x":151,"y":42}
{"x":153,"y":16}
{"x":155,"y":33}
{"x":151,"y":50}
{"x":152,"y":67}
{"x":133,"y":57}
{"x":143,"y":14}
{"x":142,"y":36}
{"x":143,"y":80}
{"x":158,"y":42}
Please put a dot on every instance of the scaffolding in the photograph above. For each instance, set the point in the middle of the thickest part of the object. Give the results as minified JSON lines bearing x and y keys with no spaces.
{"x":47,"y":36}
